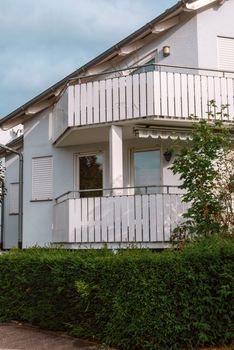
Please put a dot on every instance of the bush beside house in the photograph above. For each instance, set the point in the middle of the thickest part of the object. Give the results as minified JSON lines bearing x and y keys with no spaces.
{"x":131,"y":300}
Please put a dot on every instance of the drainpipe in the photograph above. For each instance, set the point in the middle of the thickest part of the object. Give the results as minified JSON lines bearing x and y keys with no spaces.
{"x":2,"y":220}
{"x":20,"y":217}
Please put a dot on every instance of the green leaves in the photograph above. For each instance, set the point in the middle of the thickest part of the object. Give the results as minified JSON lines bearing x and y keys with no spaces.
{"x":131,"y":300}
{"x":206,"y":168}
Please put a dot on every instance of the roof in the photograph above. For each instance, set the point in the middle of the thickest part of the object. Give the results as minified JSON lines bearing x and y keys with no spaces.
{"x":47,"y":97}
{"x":16,"y":144}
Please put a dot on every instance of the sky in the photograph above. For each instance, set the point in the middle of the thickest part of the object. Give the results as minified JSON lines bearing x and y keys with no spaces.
{"x":42,"y":41}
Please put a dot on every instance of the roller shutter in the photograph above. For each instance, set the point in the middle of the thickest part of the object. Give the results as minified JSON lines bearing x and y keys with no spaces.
{"x":226,"y":53}
{"x":42,"y":178}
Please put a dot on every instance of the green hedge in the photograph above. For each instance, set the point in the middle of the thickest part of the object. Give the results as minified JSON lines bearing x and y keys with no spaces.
{"x":131,"y":300}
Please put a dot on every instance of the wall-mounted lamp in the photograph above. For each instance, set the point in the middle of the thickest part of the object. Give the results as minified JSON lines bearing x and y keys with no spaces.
{"x":166,"y":51}
{"x":168,"y":155}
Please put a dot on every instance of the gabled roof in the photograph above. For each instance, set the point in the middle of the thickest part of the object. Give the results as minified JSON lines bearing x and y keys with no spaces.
{"x":16,"y":144}
{"x":48,"y":97}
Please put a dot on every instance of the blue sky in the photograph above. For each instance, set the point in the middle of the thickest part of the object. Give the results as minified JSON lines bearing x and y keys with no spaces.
{"x":42,"y":41}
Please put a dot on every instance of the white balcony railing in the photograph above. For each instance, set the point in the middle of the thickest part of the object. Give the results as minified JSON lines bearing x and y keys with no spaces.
{"x":161,"y":94}
{"x":147,"y":218}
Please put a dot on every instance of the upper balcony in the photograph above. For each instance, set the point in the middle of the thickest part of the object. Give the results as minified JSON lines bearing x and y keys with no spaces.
{"x":168,"y":93}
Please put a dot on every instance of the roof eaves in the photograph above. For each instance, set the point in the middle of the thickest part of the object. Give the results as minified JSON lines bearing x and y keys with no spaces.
{"x":20,"y":111}
{"x":15,"y":144}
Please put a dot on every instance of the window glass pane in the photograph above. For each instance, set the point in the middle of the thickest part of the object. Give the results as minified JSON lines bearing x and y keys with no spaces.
{"x":147,"y":170}
{"x":91,"y":175}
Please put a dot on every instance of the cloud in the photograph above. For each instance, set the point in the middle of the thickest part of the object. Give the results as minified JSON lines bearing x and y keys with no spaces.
{"x":42,"y":41}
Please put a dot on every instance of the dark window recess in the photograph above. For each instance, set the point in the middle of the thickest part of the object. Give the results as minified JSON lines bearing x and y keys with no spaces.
{"x":91,"y":175}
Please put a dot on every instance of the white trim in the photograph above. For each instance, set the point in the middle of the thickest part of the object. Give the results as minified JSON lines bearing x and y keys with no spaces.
{"x":198,"y":4}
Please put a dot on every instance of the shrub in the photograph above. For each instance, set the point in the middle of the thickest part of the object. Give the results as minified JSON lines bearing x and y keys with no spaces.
{"x":206,"y":169}
{"x":131,"y":300}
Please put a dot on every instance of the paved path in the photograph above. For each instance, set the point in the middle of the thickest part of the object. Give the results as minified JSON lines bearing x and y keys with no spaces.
{"x":15,"y":336}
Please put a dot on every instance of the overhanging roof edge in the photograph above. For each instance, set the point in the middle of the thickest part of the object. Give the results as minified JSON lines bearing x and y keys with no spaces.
{"x":20,"y":111}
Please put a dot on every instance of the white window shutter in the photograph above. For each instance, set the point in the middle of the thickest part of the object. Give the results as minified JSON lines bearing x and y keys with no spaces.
{"x":42,"y":178}
{"x":14,"y":198}
{"x":226,"y":53}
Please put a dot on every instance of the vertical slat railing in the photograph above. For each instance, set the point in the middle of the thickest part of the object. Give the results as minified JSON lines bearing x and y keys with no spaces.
{"x":167,"y":94}
{"x":120,"y":219}
{"x":158,"y":93}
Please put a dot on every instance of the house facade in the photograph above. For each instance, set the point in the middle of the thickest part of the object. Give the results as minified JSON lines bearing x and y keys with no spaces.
{"x":97,"y":146}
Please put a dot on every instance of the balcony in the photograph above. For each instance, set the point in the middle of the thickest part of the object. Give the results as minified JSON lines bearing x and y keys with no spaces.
{"x":169,"y":92}
{"x":119,"y":218}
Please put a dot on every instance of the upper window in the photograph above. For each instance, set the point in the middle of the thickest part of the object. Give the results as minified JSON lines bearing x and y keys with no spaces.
{"x":42,"y":178}
{"x":226,"y":53}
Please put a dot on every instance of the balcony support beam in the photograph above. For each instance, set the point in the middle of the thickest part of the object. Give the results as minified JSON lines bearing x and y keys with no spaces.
{"x":116,"y":156}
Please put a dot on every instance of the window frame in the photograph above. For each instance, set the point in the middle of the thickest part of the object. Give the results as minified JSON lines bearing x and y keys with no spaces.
{"x":76,"y":173}
{"x":131,"y":162}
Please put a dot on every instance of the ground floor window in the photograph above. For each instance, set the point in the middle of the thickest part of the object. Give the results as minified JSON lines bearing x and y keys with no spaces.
{"x":42,"y":178}
{"x":14,"y":198}
{"x":90,"y":174}
{"x":146,"y":170}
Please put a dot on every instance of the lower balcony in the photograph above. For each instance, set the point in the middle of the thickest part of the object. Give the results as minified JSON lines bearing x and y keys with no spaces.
{"x":120,"y":217}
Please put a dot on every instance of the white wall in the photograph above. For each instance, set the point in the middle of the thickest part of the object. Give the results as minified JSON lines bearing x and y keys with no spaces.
{"x":38,"y":215}
{"x":182,"y":40}
{"x":193,"y":42}
{"x":4,"y":136}
{"x":215,"y":21}
{"x":37,"y":222}
{"x":8,"y":135}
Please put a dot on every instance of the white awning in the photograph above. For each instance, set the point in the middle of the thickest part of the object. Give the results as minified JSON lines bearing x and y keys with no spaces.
{"x":163,"y":134}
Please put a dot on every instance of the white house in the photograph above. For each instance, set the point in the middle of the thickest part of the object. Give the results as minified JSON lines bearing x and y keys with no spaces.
{"x":94,"y":144}
{"x":5,"y":137}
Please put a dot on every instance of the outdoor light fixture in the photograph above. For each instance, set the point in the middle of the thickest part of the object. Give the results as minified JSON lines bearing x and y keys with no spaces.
{"x":198,"y":4}
{"x":166,"y":51}
{"x":168,"y":155}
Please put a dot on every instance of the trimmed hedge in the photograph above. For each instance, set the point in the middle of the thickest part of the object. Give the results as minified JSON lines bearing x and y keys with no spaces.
{"x":131,"y":300}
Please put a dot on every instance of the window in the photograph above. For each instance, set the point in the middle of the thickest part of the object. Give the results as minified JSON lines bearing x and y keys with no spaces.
{"x":226,"y":53}
{"x":90,"y":174}
{"x":146,"y":170}
{"x":14,"y":198}
{"x":42,"y":178}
